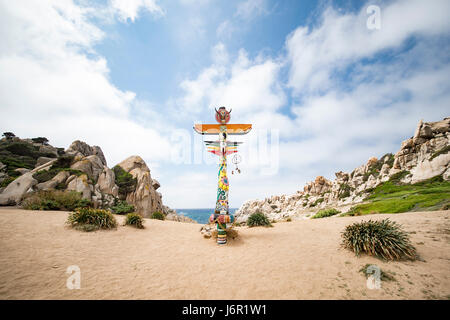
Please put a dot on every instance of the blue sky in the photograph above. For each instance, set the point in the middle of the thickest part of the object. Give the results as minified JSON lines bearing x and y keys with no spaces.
{"x":147,"y":57}
{"x":133,"y":76}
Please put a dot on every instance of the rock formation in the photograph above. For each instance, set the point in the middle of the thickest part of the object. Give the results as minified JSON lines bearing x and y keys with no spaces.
{"x":86,"y":172}
{"x":145,"y":198}
{"x":423,"y":156}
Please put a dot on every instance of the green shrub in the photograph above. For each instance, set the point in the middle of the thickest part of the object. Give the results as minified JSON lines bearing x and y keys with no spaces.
{"x":124,"y":181}
{"x":325,"y":213}
{"x":96,"y":218}
{"x":315,"y":203}
{"x":374,"y":169}
{"x":444,"y":150}
{"x":344,"y":191}
{"x":63,"y":161}
{"x":8,"y":135}
{"x":122,"y":207}
{"x":41,"y":140}
{"x":397,"y":177}
{"x":55,"y":200}
{"x":258,"y":219}
{"x":44,"y":175}
{"x":12,"y":163}
{"x":135,"y":220}
{"x":390,"y":161}
{"x":6,"y":182}
{"x":158,"y":215}
{"x":22,"y":149}
{"x":383,"y":239}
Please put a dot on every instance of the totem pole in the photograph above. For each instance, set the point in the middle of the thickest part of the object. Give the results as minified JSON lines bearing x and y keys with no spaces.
{"x":222,"y":148}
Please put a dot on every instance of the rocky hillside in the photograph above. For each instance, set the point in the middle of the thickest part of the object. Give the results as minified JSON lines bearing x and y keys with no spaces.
{"x":423,"y":156}
{"x":30,"y":165}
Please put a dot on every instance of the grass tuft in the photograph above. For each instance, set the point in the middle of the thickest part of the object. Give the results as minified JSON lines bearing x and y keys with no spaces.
{"x":383,"y":239}
{"x":325,"y":213}
{"x":258,"y":219}
{"x":122,"y":207}
{"x":158,"y":215}
{"x":88,"y":219}
{"x":444,"y":150}
{"x":135,"y":220}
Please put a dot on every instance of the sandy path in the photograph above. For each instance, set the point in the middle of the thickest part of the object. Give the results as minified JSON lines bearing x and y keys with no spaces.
{"x":170,"y":260}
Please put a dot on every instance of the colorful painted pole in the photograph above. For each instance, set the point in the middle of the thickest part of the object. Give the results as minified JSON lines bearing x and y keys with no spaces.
{"x":222,"y":148}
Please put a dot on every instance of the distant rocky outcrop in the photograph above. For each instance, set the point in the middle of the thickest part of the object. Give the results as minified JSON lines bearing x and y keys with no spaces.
{"x":81,"y":168}
{"x":423,"y":156}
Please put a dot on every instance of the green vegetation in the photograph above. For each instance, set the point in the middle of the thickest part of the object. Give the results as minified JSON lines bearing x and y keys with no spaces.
{"x":258,"y":219}
{"x":8,"y":135}
{"x":55,"y":200}
{"x":15,"y":154}
{"x":325,"y":213}
{"x":158,"y":215}
{"x":392,"y":197}
{"x":41,"y":140}
{"x":46,"y":175}
{"x":63,"y":162}
{"x":135,"y":220}
{"x":383,"y":239}
{"x":344,"y":191}
{"x":397,"y":177}
{"x":391,"y":159}
{"x":444,"y":150}
{"x":374,"y":169}
{"x":6,"y":182}
{"x":124,"y":181}
{"x":384,"y":275}
{"x":122,"y":207}
{"x":88,"y":219}
{"x":315,"y":203}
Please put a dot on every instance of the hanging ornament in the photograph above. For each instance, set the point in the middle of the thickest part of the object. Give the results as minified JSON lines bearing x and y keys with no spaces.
{"x":236,"y":160}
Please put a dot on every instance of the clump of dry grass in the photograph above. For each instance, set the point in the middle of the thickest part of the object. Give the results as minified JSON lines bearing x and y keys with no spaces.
{"x":231,"y":233}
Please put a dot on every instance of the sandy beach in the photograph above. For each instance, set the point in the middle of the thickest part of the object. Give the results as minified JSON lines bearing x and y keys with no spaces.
{"x":171,"y":260}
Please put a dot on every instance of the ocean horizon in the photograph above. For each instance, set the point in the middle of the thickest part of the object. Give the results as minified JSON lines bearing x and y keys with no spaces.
{"x":201,"y":215}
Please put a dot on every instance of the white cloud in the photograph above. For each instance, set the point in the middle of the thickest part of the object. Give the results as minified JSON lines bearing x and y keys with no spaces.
{"x":225,"y":30}
{"x":129,"y":9}
{"x":247,"y":85}
{"x":195,"y":2}
{"x":50,"y":86}
{"x":344,"y":38}
{"x":251,"y":8}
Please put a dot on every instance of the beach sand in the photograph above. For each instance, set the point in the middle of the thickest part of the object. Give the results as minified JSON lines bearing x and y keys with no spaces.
{"x":171,"y":260}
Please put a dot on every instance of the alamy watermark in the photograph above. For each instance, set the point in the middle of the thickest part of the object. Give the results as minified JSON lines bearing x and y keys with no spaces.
{"x":259,"y":149}
{"x":373,"y":273}
{"x":74,"y":279}
{"x":374,"y":19}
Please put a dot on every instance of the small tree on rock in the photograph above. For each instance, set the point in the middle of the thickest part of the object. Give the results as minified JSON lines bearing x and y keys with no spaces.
{"x":41,"y":140}
{"x":8,"y":135}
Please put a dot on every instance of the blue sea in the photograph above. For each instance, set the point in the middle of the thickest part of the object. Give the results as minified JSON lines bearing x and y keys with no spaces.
{"x":200,"y":215}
